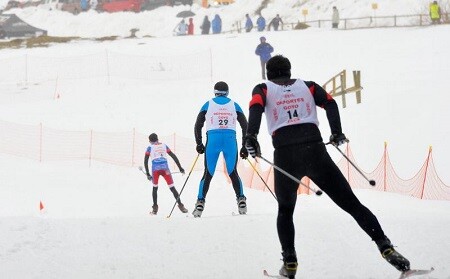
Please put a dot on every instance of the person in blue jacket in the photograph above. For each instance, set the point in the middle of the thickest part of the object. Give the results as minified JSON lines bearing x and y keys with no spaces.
{"x":84,"y":5}
{"x":248,"y":23}
{"x":216,"y":24}
{"x":220,"y":115}
{"x":261,"y":23}
{"x":264,"y":51}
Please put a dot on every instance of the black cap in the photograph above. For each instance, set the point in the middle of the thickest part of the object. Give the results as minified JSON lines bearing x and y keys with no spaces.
{"x":153,"y":137}
{"x":221,"y":88}
{"x":278,"y":66}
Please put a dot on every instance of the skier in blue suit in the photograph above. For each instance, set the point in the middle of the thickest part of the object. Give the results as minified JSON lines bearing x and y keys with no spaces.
{"x":220,"y":114}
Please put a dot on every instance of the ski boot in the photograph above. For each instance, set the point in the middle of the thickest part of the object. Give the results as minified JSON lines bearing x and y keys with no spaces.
{"x":391,"y":255}
{"x":242,"y":205}
{"x":289,"y":267}
{"x":154,"y":209}
{"x":182,"y":208}
{"x":199,"y":206}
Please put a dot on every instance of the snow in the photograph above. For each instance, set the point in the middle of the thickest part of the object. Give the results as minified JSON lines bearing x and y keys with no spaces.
{"x":95,"y":222}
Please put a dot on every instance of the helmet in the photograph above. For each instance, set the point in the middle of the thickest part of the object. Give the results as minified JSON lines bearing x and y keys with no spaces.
{"x":221,"y":89}
{"x":278,"y":66}
{"x":153,"y":137}
{"x":262,"y":38}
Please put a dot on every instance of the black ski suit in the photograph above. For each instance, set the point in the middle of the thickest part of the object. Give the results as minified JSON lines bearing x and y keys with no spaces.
{"x":299,"y":150}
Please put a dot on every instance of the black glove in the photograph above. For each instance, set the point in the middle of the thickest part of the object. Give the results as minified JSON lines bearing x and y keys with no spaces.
{"x":243,"y":153}
{"x":181,"y":170}
{"x":149,"y":177}
{"x":338,"y":139}
{"x":252,"y":145}
{"x":200,"y":148}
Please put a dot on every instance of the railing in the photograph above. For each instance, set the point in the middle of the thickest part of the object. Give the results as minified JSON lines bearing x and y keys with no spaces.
{"x":338,"y":85}
{"x":356,"y":22}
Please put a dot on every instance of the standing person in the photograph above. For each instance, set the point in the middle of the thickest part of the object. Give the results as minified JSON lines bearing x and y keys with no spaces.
{"x":275,"y":22}
{"x":264,"y":51}
{"x":191,"y":26}
{"x":181,"y":28}
{"x":221,"y":114}
{"x":206,"y":25}
{"x":248,"y":23}
{"x":261,"y":23}
{"x":158,"y":152}
{"x":335,"y":18}
{"x":435,"y":13}
{"x":290,"y":108}
{"x":216,"y":24}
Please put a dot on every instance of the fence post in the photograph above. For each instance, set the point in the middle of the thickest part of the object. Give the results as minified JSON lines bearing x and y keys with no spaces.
{"x":90,"y":148}
{"x":40,"y":142}
{"x":384,"y":167}
{"x":107,"y":66}
{"x":357,"y":81}
{"x":343,"y":78}
{"x":395,"y":21}
{"x":133,"y":147}
{"x":426,"y":170}
{"x":26,"y":68}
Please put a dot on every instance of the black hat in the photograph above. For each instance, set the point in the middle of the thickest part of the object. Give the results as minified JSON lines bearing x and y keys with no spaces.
{"x":153,"y":137}
{"x":278,"y":66}
{"x":221,"y":88}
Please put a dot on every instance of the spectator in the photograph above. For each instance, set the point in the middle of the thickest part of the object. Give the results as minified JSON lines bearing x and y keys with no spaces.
{"x":206,"y":25}
{"x":261,"y":23}
{"x":264,"y":50}
{"x":275,"y":22}
{"x":84,"y":5}
{"x":335,"y":18}
{"x":216,"y":24}
{"x":435,"y":13}
{"x":94,"y":4}
{"x":191,"y":26}
{"x":181,"y":28}
{"x":248,"y":23}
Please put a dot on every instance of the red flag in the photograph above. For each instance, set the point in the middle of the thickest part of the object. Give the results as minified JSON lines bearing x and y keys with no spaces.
{"x":41,"y":205}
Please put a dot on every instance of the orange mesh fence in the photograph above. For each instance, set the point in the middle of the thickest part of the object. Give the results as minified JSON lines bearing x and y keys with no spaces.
{"x":41,"y":143}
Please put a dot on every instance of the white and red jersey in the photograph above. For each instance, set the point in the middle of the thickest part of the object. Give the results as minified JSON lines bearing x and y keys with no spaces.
{"x":158,"y":155}
{"x":289,"y":105}
{"x":221,"y":116}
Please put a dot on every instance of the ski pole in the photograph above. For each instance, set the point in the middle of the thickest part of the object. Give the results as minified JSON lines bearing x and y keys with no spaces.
{"x":371,"y":182}
{"x":261,"y":178}
{"x":182,"y":188}
{"x":317,"y":192}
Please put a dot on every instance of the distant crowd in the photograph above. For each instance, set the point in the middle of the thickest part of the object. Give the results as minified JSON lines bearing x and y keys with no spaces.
{"x":214,"y":26}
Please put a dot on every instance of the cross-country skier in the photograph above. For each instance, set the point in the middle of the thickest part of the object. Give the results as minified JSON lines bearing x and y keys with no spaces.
{"x":290,"y":108}
{"x":220,"y":114}
{"x":158,"y":152}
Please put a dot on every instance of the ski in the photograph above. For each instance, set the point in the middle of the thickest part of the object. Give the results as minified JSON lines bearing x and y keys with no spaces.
{"x":414,"y":272}
{"x":273,"y":276}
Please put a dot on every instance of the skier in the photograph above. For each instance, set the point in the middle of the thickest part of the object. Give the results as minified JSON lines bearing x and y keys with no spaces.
{"x":158,"y":152}
{"x":221,"y":114}
{"x":290,"y":107}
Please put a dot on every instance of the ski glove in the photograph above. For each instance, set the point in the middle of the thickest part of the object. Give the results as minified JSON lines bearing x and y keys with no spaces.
{"x":252,"y":145}
{"x":182,"y":170}
{"x":338,"y":139}
{"x":200,"y":148}
{"x":243,"y":153}
{"x":149,"y":177}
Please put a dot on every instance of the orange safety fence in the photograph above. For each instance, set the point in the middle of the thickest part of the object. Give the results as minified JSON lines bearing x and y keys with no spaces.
{"x":41,"y":143}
